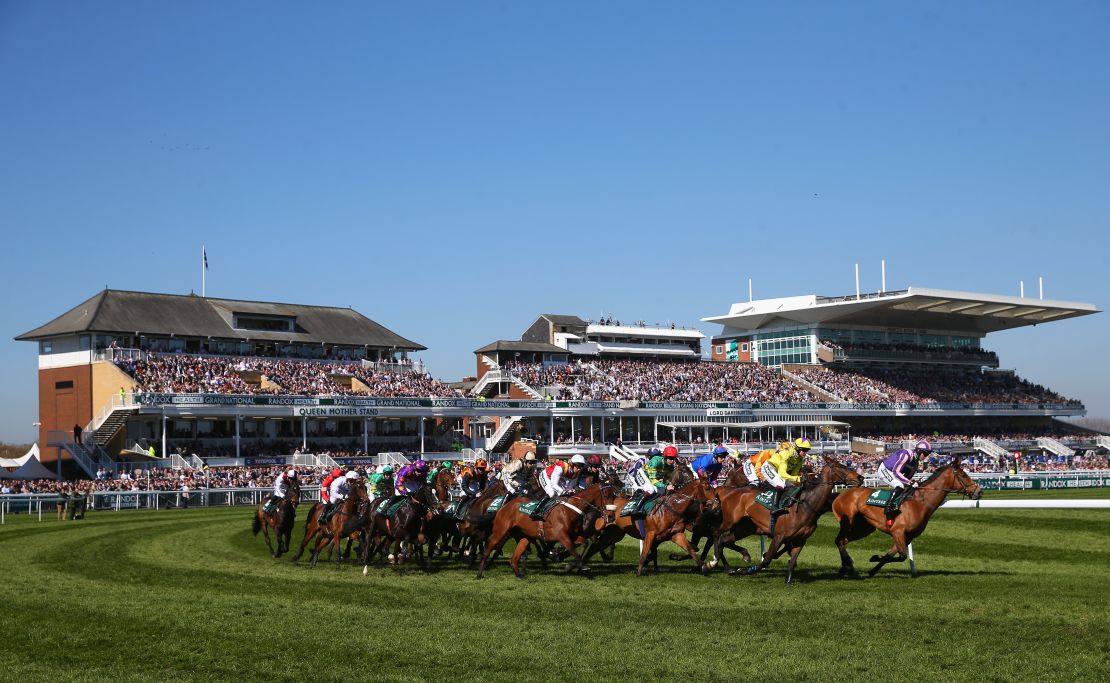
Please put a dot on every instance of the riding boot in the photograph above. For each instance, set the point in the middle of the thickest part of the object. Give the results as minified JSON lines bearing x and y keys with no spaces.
{"x":891,"y":508}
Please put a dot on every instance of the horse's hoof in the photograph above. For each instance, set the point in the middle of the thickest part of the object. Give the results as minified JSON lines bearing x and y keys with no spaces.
{"x":875,"y":558}
{"x":366,"y":570}
{"x":713,"y":564}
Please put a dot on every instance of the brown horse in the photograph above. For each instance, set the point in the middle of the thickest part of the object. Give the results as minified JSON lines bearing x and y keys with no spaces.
{"x":668,"y":521}
{"x":441,"y":529}
{"x":280,"y":520}
{"x":858,"y":519}
{"x":404,"y":530}
{"x":476,"y":525}
{"x":573,"y":516}
{"x":743,"y":515}
{"x":331,"y":534}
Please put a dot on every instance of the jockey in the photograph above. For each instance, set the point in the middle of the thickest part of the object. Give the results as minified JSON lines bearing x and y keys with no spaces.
{"x":550,"y":476}
{"x":898,"y":470}
{"x":638,"y":480}
{"x":325,"y":494}
{"x":710,"y":464}
{"x":661,"y":467}
{"x":474,"y":478}
{"x":443,"y":465}
{"x":781,"y":471}
{"x":753,"y":467}
{"x":382,"y":481}
{"x":412,"y":477}
{"x":516,"y":473}
{"x":338,"y":492}
{"x":281,"y":487}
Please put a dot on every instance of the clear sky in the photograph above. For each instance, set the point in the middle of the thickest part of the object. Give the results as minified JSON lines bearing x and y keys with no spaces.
{"x":453,"y":169}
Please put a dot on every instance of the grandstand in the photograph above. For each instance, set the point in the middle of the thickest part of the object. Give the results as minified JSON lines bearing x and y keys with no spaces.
{"x":235,"y":383}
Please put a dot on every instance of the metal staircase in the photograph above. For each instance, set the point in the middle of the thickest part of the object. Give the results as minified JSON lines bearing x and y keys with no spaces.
{"x":1055,"y":447}
{"x":990,"y":448}
{"x":111,"y":425}
{"x":495,"y":377}
{"x":806,"y":384}
{"x":503,"y":436}
{"x":1103,"y":442}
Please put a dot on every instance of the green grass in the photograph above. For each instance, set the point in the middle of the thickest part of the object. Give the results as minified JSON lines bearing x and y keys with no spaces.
{"x":1002,"y":595}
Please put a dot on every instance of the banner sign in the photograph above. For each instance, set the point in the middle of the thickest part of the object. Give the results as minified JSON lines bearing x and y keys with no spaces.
{"x":264,"y":461}
{"x":1037,"y":482}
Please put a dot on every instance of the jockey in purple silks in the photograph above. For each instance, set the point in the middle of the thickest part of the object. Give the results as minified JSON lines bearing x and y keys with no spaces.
{"x":898,"y":470}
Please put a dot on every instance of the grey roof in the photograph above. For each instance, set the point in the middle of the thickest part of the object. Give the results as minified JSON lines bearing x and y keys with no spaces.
{"x":118,"y":311}
{"x":535,"y":347}
{"x":563,"y":319}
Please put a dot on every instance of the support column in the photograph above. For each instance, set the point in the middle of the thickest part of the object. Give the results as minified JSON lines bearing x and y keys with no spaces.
{"x":237,"y":420}
{"x":365,"y":436}
{"x":164,"y":455}
{"x":304,"y":433}
{"x":572,"y":429}
{"x":655,"y":433}
{"x":638,"y":438}
{"x":421,"y":435}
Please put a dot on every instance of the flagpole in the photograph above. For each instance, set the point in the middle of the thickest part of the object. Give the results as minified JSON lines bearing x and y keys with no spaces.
{"x":203,"y":271}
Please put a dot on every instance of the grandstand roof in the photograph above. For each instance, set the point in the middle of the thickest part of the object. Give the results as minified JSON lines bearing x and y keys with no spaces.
{"x":531,"y":347}
{"x":916,"y":307}
{"x":563,"y":319}
{"x":119,"y":311}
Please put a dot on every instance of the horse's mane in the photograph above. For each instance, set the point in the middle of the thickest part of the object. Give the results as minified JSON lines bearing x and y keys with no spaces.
{"x":936,"y":473}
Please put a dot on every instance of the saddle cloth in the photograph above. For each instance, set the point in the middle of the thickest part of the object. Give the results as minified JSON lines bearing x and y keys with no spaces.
{"x":629,"y":508}
{"x":766,"y":499}
{"x":879,"y":497}
{"x":389,"y":507}
{"x":536,"y":509}
{"x":496,"y":504}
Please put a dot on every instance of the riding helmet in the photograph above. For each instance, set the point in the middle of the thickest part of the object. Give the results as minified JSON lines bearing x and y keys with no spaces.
{"x":670,"y":452}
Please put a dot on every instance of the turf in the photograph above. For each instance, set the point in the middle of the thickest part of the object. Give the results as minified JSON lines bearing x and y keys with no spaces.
{"x":1001,"y":595}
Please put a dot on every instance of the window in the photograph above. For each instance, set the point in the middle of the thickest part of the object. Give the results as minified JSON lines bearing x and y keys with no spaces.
{"x":46,"y":346}
{"x":719,"y":349}
{"x":67,"y":384}
{"x":744,"y":347}
{"x":264,"y":323}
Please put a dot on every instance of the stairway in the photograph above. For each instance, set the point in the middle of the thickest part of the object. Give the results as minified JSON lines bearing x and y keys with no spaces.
{"x":990,"y":448}
{"x":811,"y":387}
{"x":501,"y":439}
{"x":1055,"y":447}
{"x":111,"y":425}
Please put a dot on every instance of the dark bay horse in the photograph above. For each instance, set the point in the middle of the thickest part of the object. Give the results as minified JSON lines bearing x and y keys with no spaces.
{"x":793,"y":527}
{"x":403,"y":531}
{"x":281,"y":520}
{"x":572,"y":517}
{"x":672,"y":515}
{"x":858,"y":519}
{"x":333,"y":531}
{"x":477,"y":524}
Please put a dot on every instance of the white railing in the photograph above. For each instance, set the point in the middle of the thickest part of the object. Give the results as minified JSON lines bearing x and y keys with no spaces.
{"x":1055,"y":447}
{"x":1103,"y":441}
{"x":990,"y":448}
{"x":398,"y":368}
{"x":326,"y":460}
{"x":507,"y":423}
{"x":111,"y":354}
{"x":392,"y":458}
{"x":820,"y":391}
{"x":305,"y":460}
{"x":155,"y":500}
{"x":195,"y":462}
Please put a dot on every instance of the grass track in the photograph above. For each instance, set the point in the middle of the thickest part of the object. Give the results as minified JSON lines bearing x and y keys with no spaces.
{"x":1003,"y":595}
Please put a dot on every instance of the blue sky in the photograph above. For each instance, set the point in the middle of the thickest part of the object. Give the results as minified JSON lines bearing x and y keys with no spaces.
{"x":453,"y":169}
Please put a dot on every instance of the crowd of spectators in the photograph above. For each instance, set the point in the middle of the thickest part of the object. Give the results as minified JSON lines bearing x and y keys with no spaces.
{"x":613,"y":380}
{"x":186,"y":374}
{"x":855,"y":388}
{"x":916,"y":351}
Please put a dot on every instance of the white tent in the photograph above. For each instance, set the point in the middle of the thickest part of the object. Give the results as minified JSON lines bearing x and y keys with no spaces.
{"x":18,"y":462}
{"x":31,"y":469}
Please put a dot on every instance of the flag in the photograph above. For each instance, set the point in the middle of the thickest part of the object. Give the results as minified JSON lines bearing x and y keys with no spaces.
{"x":205,"y":253}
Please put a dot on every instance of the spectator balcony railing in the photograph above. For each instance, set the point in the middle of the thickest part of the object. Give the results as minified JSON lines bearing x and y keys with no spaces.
{"x":399,"y":368}
{"x":937,"y":356}
{"x":113,"y":354}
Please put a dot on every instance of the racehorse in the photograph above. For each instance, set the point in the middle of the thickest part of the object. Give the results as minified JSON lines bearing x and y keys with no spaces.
{"x":571,"y":517}
{"x":440,"y":528}
{"x":794,"y":526}
{"x":476,"y":525}
{"x":858,"y":519}
{"x":403,"y":530}
{"x":332,"y":532}
{"x":668,"y":520}
{"x":280,"y":520}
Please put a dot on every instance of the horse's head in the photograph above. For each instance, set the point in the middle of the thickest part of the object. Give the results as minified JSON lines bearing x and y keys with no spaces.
{"x":962,"y":481}
{"x":294,"y":493}
{"x":835,"y":472}
{"x":426,"y":496}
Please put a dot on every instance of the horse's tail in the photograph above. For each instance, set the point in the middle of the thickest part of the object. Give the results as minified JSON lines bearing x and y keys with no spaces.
{"x":256,"y":523}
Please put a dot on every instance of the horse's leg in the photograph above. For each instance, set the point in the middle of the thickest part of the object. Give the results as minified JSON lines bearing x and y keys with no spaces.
{"x":897,"y":553}
{"x":794,"y":552}
{"x":309,"y":533}
{"x":497,"y":539}
{"x":521,"y":546}
{"x":266,"y":535}
{"x":645,"y":551}
{"x":681,"y":541}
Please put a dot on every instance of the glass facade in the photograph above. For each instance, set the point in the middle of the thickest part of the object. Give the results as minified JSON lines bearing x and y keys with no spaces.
{"x":776,"y":348}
